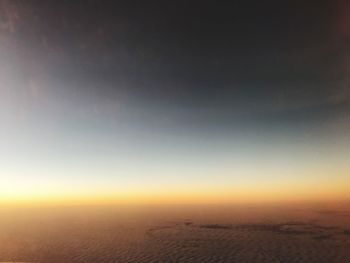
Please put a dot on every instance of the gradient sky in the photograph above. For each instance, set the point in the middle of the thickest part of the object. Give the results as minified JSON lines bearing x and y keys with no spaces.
{"x":174,"y":101}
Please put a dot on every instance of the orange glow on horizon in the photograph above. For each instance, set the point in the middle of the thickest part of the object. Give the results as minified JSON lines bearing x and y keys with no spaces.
{"x":305,"y":193}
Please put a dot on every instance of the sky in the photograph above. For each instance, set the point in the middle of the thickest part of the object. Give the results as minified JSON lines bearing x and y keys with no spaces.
{"x":174,"y":101}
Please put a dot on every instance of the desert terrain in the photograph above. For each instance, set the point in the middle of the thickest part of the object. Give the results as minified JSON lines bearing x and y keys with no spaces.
{"x":219,"y":233}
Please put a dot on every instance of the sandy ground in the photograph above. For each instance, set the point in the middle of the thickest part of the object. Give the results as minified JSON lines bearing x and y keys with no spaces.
{"x":176,"y":234}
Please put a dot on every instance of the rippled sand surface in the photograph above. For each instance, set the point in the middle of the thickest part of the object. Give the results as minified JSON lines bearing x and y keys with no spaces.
{"x":176,"y":234}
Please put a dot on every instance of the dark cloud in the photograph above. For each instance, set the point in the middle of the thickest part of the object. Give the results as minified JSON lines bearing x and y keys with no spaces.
{"x":189,"y":59}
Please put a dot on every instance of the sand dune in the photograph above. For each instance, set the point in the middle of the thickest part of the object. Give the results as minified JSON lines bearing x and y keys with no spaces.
{"x":111,"y":235}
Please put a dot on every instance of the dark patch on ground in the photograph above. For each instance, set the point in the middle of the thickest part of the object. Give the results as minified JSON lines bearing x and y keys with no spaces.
{"x":216,"y":226}
{"x":292,"y":228}
{"x":326,"y":227}
{"x":347,"y":231}
{"x":297,"y":223}
{"x":323,"y":237}
{"x":259,"y":227}
{"x":295,"y":232}
{"x":152,"y":229}
{"x":313,"y":230}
